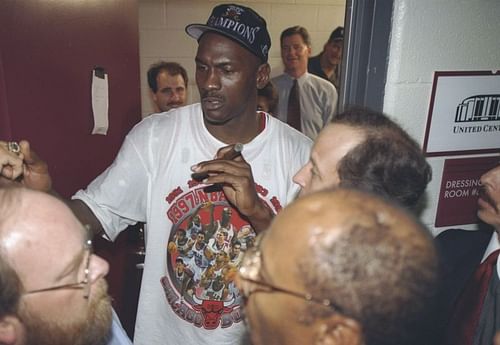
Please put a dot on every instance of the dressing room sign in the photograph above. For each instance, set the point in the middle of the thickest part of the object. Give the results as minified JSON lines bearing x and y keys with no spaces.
{"x":460,"y":185}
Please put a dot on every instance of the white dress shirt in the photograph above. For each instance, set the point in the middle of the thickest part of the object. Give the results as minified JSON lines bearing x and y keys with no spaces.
{"x":318,"y":101}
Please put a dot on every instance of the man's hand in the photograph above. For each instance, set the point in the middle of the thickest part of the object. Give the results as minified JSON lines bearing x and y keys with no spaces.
{"x":24,"y":167}
{"x":11,"y":164}
{"x":36,"y":172}
{"x":235,"y":177}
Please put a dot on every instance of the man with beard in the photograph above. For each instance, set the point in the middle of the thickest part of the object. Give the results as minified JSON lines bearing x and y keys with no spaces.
{"x":470,"y":294}
{"x":52,"y":288}
{"x":151,"y":178}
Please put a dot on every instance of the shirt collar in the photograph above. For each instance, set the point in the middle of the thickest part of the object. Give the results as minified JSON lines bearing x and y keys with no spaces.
{"x":492,"y":246}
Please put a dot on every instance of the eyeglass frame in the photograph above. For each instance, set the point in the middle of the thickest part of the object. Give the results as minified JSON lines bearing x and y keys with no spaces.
{"x":256,"y":252}
{"x":84,"y":284}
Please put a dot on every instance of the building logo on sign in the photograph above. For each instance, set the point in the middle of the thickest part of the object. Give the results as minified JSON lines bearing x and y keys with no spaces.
{"x":479,"y":108}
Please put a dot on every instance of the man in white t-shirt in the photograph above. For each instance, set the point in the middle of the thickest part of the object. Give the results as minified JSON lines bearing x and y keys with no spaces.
{"x":151,"y":179}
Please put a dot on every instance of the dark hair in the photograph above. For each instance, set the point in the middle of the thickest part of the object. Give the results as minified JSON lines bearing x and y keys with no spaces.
{"x":271,"y":94}
{"x":388,"y":162}
{"x":172,"y":68}
{"x":382,"y":270}
{"x":10,"y":283}
{"x":299,"y":30}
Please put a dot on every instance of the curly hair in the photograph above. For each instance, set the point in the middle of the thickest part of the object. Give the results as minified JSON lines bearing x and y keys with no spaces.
{"x":388,"y":162}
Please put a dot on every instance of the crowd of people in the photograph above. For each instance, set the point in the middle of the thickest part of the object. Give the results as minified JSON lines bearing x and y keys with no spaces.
{"x":308,"y":106}
{"x":311,"y":228}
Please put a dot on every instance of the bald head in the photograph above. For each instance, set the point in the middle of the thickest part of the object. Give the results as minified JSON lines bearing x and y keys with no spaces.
{"x":52,"y":286}
{"x":366,"y":150}
{"x":368,"y":257}
{"x":30,"y":218}
{"x":31,"y":224}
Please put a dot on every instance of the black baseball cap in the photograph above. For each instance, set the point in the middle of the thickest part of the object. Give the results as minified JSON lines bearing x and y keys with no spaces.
{"x":337,"y":34}
{"x":239,"y":23}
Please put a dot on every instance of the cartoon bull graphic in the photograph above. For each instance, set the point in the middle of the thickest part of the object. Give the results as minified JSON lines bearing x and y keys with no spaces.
{"x":212,"y":311}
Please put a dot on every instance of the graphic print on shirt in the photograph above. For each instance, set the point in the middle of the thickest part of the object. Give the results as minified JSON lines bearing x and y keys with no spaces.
{"x":205,"y":248}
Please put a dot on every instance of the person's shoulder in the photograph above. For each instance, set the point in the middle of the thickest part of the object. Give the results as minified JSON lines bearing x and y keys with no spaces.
{"x":313,"y":78}
{"x":320,"y":86}
{"x":167,"y":118}
{"x":289,"y":133}
{"x":313,"y":61}
{"x":315,"y":58}
{"x":280,"y":79}
{"x":457,"y":246}
{"x":456,"y":237}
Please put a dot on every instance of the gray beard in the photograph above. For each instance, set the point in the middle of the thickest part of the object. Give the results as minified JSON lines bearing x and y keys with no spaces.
{"x":90,"y":329}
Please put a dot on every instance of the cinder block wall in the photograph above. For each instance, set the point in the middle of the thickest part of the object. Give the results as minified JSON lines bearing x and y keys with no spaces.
{"x":162,"y":36}
{"x":428,"y":36}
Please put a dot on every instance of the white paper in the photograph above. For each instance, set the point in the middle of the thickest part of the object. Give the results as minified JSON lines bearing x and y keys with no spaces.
{"x":100,"y":104}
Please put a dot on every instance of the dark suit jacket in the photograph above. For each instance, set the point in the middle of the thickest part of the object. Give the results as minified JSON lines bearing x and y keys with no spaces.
{"x":460,"y":252}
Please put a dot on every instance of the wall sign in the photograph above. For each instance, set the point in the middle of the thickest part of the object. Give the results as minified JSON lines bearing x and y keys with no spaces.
{"x":459,"y":191}
{"x":464,"y":114}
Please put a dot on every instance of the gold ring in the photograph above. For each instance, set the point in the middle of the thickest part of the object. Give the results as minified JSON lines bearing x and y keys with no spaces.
{"x":13,"y":147}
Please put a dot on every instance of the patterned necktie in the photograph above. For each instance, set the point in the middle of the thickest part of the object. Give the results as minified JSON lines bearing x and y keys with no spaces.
{"x":293,"y":114}
{"x":464,"y":321}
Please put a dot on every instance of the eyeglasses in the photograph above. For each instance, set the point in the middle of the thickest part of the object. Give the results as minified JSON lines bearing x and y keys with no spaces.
{"x":84,"y":284}
{"x":249,"y":271}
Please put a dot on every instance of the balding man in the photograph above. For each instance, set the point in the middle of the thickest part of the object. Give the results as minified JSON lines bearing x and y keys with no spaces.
{"x":366,"y":150}
{"x":52,"y":288}
{"x":340,"y":267}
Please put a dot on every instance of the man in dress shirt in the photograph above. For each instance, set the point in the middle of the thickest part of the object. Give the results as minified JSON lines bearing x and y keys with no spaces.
{"x":462,"y":252}
{"x":318,"y":97}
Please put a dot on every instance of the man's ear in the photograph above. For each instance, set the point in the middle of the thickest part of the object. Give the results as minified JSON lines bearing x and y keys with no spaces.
{"x":338,"y":330}
{"x":11,"y":330}
{"x":154,"y":100}
{"x":263,"y":75}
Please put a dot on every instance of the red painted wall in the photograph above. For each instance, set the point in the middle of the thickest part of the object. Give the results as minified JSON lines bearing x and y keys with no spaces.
{"x":48,"y":50}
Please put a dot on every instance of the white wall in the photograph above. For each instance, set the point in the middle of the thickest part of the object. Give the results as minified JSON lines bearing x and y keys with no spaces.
{"x":428,"y":36}
{"x":162,"y":36}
